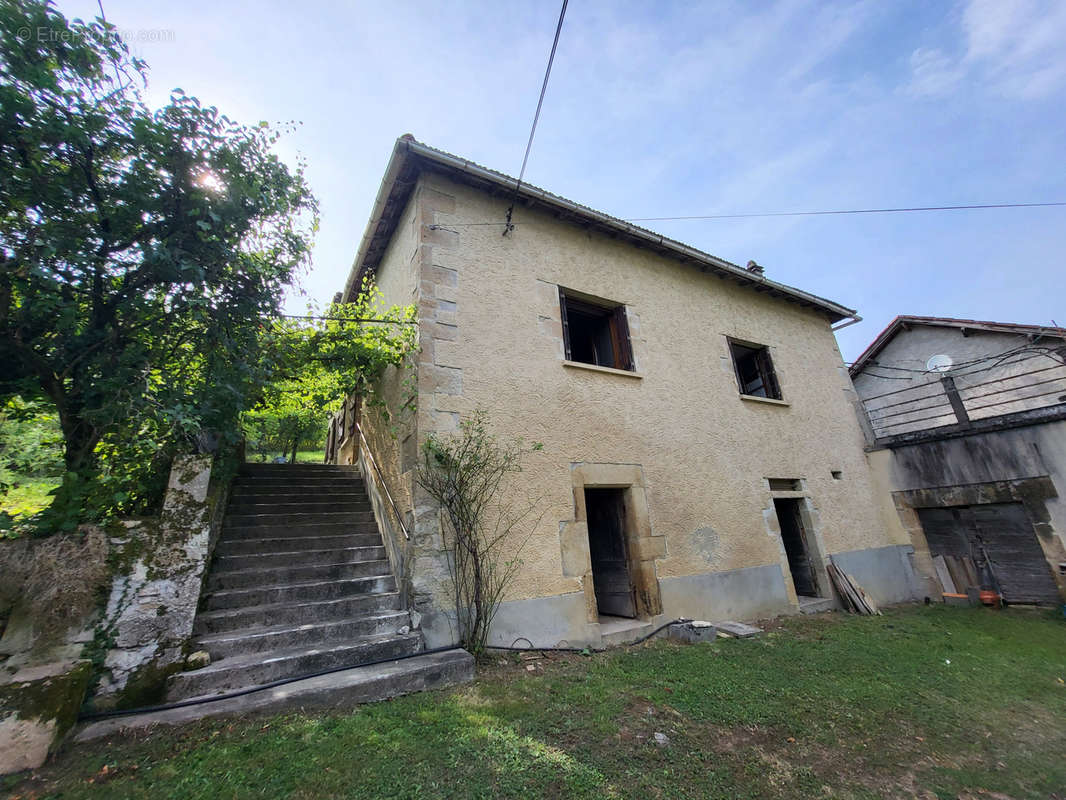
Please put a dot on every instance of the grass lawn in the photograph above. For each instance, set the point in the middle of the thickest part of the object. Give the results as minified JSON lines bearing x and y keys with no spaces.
{"x":302,"y":457}
{"x":26,"y":496}
{"x":923,"y":702}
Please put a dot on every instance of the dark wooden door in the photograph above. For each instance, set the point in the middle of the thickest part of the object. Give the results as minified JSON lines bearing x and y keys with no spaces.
{"x":1009,"y":543}
{"x":998,"y":537}
{"x":794,"y":538}
{"x":610,"y":565}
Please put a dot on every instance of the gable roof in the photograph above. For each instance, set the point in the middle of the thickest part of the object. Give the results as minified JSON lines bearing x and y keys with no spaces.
{"x":902,"y":322}
{"x":410,"y":158}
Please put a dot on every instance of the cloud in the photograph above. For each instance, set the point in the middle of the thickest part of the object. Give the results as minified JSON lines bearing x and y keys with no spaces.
{"x":933,"y":72}
{"x":1010,"y":47}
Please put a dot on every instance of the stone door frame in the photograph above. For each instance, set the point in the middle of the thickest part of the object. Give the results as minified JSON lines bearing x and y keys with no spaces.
{"x":642,"y":547}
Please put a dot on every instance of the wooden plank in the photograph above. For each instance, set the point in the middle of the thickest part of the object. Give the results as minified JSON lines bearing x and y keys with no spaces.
{"x":867,"y":600}
{"x":957,"y":572}
{"x":845,"y":589}
{"x":942,"y":574}
{"x":849,"y":587}
{"x":865,"y":606}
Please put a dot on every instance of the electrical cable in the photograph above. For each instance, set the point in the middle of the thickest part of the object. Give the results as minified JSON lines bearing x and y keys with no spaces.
{"x":532,"y":649}
{"x":349,"y":319}
{"x":802,"y":213}
{"x":536,"y":117}
{"x":198,"y":701}
{"x":849,"y":211}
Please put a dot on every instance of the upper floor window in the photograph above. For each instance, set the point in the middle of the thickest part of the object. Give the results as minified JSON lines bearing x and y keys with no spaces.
{"x":755,"y":370}
{"x":595,"y":331}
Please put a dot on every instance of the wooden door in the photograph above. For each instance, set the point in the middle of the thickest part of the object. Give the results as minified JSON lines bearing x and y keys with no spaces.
{"x":1002,"y":543}
{"x":794,"y":537}
{"x":1009,"y":543}
{"x":605,"y":512}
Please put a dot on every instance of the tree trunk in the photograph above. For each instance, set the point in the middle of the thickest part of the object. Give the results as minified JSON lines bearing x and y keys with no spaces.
{"x":80,"y":438}
{"x":295,"y":444}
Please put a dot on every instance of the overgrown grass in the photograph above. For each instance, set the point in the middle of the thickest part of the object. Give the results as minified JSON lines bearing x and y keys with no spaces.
{"x":922,"y":702}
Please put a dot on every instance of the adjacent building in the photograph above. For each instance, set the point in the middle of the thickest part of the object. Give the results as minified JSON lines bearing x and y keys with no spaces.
{"x":701,"y":455}
{"x":966,"y":426}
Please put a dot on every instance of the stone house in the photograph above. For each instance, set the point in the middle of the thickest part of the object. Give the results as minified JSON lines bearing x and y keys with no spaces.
{"x":966,"y":429}
{"x":701,"y":454}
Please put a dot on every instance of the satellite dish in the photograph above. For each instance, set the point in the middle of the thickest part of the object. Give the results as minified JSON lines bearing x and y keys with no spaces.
{"x":939,"y":363}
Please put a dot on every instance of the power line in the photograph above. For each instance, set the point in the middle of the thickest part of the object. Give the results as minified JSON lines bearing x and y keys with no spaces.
{"x":536,"y":116}
{"x":847,"y":211}
{"x":790,"y":213}
{"x":348,"y":319}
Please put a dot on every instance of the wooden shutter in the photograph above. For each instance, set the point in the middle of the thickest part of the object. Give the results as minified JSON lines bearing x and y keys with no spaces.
{"x":622,"y":347}
{"x":566,"y":327}
{"x":769,"y":377}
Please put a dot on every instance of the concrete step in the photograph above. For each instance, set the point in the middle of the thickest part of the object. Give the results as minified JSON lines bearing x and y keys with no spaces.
{"x":302,"y":592}
{"x":248,"y":617}
{"x":285,"y":496}
{"x":255,"y":669}
{"x":622,"y":630}
{"x":335,"y":690}
{"x":295,"y":558}
{"x":815,"y":605}
{"x":291,"y":518}
{"x":285,"y":576}
{"x":259,"y":485}
{"x":305,"y":508}
{"x":359,"y":523}
{"x":263,"y":640}
{"x":240,"y":547}
{"x":292,"y":470}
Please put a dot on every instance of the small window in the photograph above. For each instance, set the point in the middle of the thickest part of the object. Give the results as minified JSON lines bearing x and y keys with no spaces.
{"x":595,"y":333}
{"x":755,"y":371}
{"x":785,"y":484}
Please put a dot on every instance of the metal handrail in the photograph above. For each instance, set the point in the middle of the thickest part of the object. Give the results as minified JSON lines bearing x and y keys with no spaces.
{"x":381,"y":480}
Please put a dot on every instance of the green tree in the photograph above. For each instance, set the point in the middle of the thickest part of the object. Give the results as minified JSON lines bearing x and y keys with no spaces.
{"x":141,"y":250}
{"x":317,"y":364}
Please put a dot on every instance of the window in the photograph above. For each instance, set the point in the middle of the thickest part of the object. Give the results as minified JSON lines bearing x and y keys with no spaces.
{"x":755,"y":371}
{"x":595,"y":332}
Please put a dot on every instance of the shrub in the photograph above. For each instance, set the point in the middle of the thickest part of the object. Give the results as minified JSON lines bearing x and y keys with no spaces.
{"x":464,"y":473}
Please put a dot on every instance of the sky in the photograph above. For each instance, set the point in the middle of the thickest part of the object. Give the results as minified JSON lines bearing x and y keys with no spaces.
{"x":674,"y":109}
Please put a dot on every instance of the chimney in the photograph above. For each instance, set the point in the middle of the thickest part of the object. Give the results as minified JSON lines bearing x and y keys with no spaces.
{"x":755,"y":268}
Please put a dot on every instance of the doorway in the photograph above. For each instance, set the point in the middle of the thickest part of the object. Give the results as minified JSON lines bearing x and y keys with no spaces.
{"x":794,"y":537}
{"x":605,"y":513}
{"x":999,"y":540}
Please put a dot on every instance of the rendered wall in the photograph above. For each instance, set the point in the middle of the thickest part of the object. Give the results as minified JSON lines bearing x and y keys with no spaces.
{"x":491,"y":337}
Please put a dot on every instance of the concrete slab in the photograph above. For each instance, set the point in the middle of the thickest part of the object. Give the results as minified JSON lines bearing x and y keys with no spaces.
{"x":692,"y":632}
{"x":738,"y":630}
{"x":334,"y":691}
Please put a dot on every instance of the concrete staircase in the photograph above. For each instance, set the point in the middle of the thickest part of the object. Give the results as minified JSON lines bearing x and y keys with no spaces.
{"x":300,"y":583}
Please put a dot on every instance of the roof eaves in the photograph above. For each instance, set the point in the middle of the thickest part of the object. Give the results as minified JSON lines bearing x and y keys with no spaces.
{"x":890,"y":331}
{"x":407,"y":147}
